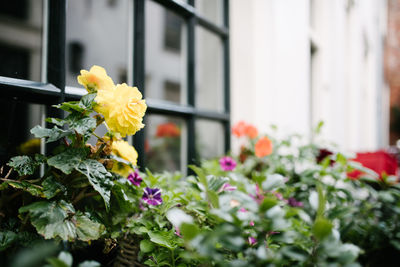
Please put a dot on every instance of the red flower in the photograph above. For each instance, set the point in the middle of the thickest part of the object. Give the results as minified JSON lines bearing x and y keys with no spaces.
{"x":168,"y":129}
{"x":380,"y":161}
{"x":263,"y":147}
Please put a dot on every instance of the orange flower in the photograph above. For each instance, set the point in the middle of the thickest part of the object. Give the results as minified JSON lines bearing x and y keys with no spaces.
{"x":251,"y":131}
{"x":263,"y":147}
{"x":168,"y":129}
{"x":238,"y":129}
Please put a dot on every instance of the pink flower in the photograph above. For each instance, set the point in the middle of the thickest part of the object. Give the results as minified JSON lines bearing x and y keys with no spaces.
{"x":251,"y":223}
{"x":252,"y":240}
{"x":227,"y":187}
{"x":227,"y":163}
{"x":178,"y":232}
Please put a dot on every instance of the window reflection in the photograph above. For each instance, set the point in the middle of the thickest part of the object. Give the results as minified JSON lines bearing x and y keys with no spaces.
{"x":97,"y":34}
{"x":21,"y":39}
{"x":211,"y":10}
{"x":209,"y":71}
{"x":165,"y":54}
{"x":210,"y":141}
{"x":17,"y":119}
{"x":163,"y":144}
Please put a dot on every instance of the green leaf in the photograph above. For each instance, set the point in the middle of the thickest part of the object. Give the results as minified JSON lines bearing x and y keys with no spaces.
{"x":215,"y":183}
{"x":162,"y":238}
{"x":52,"y":134}
{"x":34,"y":190}
{"x":51,"y":187}
{"x":68,"y":160}
{"x":66,"y":258}
{"x":52,"y":219}
{"x":54,"y":262}
{"x":146,"y":246}
{"x":88,"y":100}
{"x":56,"y":121}
{"x":189,"y":231}
{"x":200,"y":174}
{"x":89,"y":264}
{"x":98,"y":177}
{"x":322,"y":228}
{"x":24,"y":165}
{"x":71,"y":106}
{"x":83,"y":125}
{"x":213,"y":198}
{"x":87,"y":229}
{"x":58,"y":219}
{"x":7,"y":238}
{"x":273,"y":181}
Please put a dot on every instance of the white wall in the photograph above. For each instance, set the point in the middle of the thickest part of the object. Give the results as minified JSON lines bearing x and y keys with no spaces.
{"x":276,"y":81}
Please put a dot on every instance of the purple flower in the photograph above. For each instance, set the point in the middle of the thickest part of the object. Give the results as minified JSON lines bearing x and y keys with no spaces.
{"x":134,"y":178}
{"x":152,"y":196}
{"x":252,"y":240}
{"x":227,"y":163}
{"x":227,"y":187}
{"x":294,"y":203}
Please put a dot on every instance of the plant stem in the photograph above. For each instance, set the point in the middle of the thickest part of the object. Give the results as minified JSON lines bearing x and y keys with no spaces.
{"x":98,"y":137}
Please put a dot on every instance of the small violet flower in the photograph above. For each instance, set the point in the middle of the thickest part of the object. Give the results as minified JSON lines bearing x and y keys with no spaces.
{"x":227,"y":187}
{"x":134,"y":178}
{"x":227,"y":163}
{"x":294,"y":203}
{"x":152,"y":196}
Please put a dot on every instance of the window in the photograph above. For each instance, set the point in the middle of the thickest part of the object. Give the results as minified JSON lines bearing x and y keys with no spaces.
{"x":175,"y":52}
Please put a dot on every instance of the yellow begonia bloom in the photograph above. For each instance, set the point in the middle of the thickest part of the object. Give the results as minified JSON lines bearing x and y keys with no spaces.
{"x":123,"y":109}
{"x":96,"y":79}
{"x":127,"y":152}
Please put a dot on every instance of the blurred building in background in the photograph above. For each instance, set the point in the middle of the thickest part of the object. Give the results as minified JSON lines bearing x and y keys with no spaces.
{"x":296,"y":62}
{"x":204,"y":65}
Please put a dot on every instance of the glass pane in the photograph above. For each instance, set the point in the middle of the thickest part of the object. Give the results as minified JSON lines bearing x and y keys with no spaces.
{"x":210,"y":140}
{"x":209,"y":71}
{"x":21,"y":24}
{"x":164,"y":143}
{"x":211,"y":10}
{"x":165,"y":54}
{"x":17,"y":119}
{"x":97,"y":34}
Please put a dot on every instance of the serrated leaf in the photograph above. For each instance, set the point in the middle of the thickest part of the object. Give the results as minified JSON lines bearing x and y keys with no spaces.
{"x":71,"y":106}
{"x":51,"y":187}
{"x":87,"y":229}
{"x":24,"y":165}
{"x":52,"y":219}
{"x":52,"y":134}
{"x":68,"y":160}
{"x":34,"y":190}
{"x":58,"y":219}
{"x":7,"y":238}
{"x":56,"y":121}
{"x":88,"y":100}
{"x":83,"y":125}
{"x":162,"y":238}
{"x":98,"y":177}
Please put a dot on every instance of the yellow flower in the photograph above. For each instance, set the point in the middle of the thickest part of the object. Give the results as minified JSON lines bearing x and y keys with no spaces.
{"x":125,"y":151}
{"x":123,"y":109}
{"x":96,"y":79}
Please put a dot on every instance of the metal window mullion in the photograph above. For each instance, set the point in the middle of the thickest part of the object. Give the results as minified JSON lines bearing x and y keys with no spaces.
{"x":139,"y":68}
{"x":191,"y":86}
{"x":55,"y":64}
{"x":227,"y":77}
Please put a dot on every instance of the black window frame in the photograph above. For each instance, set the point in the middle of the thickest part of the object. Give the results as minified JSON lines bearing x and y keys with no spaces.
{"x":52,"y":91}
